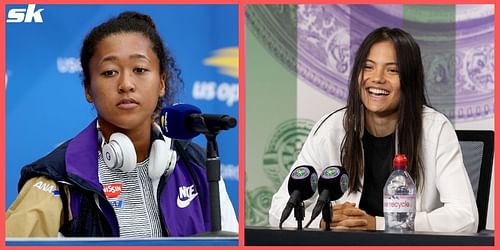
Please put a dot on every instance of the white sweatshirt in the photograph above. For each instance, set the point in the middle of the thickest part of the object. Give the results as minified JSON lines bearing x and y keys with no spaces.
{"x":445,"y":204}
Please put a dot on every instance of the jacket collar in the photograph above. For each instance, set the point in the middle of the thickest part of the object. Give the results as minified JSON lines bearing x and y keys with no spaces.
{"x":81,"y":156}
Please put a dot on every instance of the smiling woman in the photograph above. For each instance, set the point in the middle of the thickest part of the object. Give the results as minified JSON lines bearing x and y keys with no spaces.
{"x":120,"y":176}
{"x":387,"y":112}
{"x":380,"y":89}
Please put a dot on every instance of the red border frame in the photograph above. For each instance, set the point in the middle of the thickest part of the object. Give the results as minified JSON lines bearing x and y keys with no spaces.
{"x":242,"y":103}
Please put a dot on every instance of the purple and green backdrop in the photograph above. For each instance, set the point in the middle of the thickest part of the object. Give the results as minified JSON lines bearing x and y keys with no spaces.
{"x":298,"y":61}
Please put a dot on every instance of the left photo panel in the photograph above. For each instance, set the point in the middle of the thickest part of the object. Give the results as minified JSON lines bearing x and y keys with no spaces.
{"x":121,"y":124}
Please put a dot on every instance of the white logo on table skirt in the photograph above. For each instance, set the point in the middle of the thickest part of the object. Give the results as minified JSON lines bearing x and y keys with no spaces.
{"x":186,"y":195}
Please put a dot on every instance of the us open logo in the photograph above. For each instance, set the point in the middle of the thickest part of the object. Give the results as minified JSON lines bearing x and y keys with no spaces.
{"x":25,"y":15}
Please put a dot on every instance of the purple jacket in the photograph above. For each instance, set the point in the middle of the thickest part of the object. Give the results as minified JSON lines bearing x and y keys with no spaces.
{"x":74,"y":164}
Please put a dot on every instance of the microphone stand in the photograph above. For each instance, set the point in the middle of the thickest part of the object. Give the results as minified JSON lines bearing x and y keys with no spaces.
{"x":299,"y":211}
{"x":326,"y":212}
{"x":213,"y":177}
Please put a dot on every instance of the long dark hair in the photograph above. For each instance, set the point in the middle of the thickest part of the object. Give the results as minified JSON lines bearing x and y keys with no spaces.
{"x":140,"y":23}
{"x":412,"y":100}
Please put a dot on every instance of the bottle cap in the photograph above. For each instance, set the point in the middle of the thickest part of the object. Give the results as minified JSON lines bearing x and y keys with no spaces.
{"x":400,"y":161}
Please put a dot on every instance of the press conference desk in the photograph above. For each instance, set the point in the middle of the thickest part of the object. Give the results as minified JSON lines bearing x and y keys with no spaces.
{"x":266,"y":236}
{"x":169,"y":241}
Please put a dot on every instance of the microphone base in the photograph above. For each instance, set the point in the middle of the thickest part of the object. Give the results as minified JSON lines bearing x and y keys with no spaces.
{"x":224,"y":234}
{"x":299,"y":213}
{"x":326,"y":212}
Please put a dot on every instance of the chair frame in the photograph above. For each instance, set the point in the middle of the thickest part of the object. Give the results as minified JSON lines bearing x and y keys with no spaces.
{"x":483,"y":188}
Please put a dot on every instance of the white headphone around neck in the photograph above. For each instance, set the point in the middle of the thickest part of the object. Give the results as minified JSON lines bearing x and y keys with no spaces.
{"x":119,"y":153}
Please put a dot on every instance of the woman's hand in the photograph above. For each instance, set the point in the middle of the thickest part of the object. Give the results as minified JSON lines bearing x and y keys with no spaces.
{"x":348,"y":216}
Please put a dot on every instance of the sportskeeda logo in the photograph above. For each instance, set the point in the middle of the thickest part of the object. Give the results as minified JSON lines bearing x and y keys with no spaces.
{"x":186,"y":195}
{"x":26,"y":15}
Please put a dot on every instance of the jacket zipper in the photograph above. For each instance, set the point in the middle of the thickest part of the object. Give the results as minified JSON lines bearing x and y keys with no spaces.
{"x":158,"y":196}
{"x":100,"y":195}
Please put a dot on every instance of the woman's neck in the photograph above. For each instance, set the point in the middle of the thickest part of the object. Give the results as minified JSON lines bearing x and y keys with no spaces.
{"x":380,"y":126}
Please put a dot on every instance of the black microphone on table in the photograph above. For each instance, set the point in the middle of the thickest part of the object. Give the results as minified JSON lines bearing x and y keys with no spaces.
{"x":332,"y":184}
{"x":302,"y":185}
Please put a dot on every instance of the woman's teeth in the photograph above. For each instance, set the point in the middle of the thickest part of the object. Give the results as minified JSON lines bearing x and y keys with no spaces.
{"x":376,"y":91}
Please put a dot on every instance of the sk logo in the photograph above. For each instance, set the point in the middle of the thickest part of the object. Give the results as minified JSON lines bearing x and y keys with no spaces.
{"x":25,"y":15}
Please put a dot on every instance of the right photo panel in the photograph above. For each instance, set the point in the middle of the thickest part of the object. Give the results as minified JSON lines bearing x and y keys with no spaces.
{"x":369,"y":121}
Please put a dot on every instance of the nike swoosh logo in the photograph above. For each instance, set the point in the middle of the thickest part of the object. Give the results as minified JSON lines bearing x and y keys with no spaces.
{"x":185,"y":203}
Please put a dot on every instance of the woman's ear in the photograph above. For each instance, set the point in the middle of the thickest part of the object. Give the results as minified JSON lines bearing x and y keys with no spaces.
{"x":88,"y":94}
{"x":163,"y":84}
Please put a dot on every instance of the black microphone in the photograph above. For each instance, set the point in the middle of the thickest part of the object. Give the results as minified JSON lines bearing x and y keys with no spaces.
{"x":302,"y":185}
{"x":332,"y":184}
{"x":185,"y":121}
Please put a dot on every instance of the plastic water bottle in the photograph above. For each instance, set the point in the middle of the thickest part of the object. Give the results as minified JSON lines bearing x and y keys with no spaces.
{"x":399,"y":198}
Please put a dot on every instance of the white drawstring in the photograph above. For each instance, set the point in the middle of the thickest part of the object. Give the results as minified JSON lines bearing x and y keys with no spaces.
{"x":396,"y":144}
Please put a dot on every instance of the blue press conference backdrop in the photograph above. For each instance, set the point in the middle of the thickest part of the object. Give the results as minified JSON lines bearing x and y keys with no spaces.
{"x":45,"y":102}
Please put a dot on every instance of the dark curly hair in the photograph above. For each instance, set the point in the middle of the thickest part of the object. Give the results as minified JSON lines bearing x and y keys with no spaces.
{"x":134,"y":22}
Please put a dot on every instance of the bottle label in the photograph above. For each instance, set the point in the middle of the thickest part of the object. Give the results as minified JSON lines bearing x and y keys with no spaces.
{"x":399,"y":203}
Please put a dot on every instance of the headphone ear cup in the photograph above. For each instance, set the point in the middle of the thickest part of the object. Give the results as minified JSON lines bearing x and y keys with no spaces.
{"x":157,"y":159}
{"x":171,"y":162}
{"x":160,"y":159}
{"x":119,"y":153}
{"x":171,"y":156}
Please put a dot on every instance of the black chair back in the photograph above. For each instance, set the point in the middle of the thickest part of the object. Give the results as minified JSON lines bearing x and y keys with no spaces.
{"x":477,"y":150}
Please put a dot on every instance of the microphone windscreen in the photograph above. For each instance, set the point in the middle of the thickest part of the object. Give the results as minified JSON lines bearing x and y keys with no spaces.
{"x":335,"y":180}
{"x":303,"y":179}
{"x":173,"y":121}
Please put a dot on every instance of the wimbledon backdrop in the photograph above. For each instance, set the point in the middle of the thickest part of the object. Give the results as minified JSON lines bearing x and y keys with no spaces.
{"x":298,"y":60}
{"x":45,"y":103}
